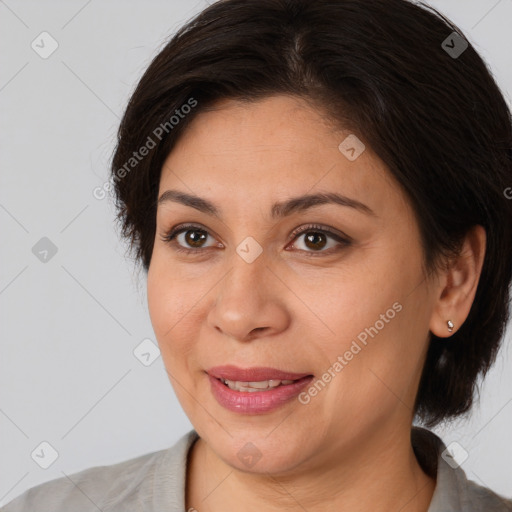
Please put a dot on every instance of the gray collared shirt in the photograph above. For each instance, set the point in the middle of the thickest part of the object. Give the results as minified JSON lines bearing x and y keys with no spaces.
{"x":155,"y":482}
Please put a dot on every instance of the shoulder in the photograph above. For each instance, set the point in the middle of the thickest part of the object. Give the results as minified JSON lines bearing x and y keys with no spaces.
{"x":454,"y":492}
{"x":477,"y":498}
{"x":127,"y":485}
{"x":92,"y":489}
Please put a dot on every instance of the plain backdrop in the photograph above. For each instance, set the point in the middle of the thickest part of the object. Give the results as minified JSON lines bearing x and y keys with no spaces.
{"x":73,"y":309}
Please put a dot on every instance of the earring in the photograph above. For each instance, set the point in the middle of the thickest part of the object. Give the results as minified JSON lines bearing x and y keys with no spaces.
{"x":450,"y":325}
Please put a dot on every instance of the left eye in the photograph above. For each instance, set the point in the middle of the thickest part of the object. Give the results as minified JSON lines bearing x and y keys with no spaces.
{"x":315,"y":239}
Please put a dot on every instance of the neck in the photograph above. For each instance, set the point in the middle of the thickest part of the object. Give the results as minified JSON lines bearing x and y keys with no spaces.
{"x":379,"y":474}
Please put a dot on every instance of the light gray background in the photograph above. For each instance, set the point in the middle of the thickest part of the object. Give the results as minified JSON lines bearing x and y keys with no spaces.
{"x":68,"y":374}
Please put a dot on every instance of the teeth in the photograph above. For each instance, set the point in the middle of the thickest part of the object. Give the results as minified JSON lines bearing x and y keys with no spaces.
{"x":251,"y":387}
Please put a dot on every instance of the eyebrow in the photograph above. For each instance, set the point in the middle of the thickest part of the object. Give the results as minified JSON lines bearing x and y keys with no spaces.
{"x":278,"y":210}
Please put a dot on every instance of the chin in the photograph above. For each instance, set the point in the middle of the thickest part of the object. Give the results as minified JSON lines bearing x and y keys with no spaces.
{"x":261,"y":453}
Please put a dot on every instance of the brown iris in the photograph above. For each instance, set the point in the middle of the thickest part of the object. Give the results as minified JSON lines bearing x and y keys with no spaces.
{"x":193,"y":239}
{"x":315,"y":238}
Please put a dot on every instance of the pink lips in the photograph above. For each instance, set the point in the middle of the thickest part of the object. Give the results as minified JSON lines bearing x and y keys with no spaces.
{"x":259,"y":401}
{"x":230,"y":372}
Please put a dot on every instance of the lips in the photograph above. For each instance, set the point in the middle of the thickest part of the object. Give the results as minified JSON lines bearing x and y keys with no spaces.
{"x":244,"y":397}
{"x":255,"y":374}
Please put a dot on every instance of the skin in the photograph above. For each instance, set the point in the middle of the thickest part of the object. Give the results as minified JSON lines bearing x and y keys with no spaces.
{"x":349,"y":447}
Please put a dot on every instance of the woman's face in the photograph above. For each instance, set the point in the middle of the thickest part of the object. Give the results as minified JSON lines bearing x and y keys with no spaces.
{"x":345,"y":301}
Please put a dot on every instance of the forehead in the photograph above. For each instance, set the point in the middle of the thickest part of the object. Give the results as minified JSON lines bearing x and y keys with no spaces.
{"x":278,"y":147}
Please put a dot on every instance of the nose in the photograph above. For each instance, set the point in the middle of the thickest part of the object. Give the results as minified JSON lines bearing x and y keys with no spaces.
{"x":250,"y":302}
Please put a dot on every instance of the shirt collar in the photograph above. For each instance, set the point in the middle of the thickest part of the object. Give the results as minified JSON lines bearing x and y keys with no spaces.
{"x":429,"y":449}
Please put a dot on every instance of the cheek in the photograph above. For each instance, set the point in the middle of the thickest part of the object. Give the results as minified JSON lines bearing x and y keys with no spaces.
{"x":160,"y":302}
{"x":372,"y":320}
{"x":167,"y":303}
{"x":176,"y":311}
{"x":342,"y":303}
{"x":381,"y":358}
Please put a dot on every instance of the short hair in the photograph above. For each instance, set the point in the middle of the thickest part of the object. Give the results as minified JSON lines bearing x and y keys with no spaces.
{"x":395,"y":73}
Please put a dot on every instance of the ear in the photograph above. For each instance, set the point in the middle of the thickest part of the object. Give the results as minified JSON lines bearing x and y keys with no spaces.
{"x":458,"y":284}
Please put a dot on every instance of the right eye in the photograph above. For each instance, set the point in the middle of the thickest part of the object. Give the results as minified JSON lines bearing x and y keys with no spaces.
{"x":189,"y":234}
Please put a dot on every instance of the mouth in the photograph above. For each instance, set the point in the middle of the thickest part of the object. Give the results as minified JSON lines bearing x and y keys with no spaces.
{"x":255,"y":390}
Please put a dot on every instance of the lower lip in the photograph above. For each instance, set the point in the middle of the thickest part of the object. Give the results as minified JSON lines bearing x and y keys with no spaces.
{"x":255,"y":402}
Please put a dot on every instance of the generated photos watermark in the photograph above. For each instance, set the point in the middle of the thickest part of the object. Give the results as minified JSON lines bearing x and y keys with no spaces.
{"x":344,"y":359}
{"x":151,"y":142}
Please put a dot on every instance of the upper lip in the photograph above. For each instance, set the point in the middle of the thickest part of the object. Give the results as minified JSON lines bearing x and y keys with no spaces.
{"x":254,"y":374}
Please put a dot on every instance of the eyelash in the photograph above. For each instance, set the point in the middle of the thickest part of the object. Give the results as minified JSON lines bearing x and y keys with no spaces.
{"x":174,"y":232}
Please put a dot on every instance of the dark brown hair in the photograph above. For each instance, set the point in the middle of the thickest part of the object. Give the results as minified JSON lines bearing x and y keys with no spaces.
{"x":383,"y":70}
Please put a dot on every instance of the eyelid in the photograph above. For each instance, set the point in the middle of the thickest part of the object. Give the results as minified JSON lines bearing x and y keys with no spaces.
{"x":323,"y":229}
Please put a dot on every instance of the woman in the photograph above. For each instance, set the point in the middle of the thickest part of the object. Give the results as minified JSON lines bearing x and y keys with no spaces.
{"x":317,"y":191}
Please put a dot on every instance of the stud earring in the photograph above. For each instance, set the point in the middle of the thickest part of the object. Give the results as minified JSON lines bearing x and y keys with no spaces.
{"x":450,"y":325}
